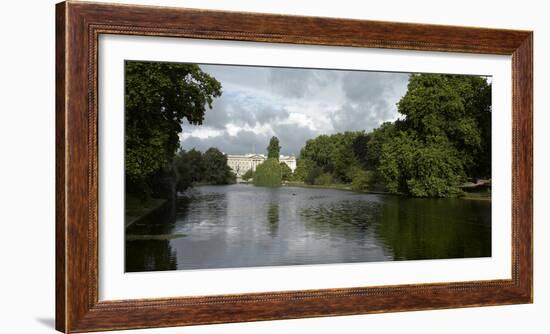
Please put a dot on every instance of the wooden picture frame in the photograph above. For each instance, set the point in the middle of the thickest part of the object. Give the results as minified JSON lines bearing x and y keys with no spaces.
{"x":78,"y":26}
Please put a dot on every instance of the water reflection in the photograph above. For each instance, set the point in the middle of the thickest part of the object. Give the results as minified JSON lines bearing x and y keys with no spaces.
{"x":243,"y":226}
{"x":155,"y":255}
{"x":273,"y":219}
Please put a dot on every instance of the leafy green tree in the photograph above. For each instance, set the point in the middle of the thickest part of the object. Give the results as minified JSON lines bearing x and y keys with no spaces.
{"x":189,"y":168}
{"x":216,"y":170}
{"x":303,"y":166}
{"x":183,"y":168}
{"x":368,"y":147}
{"x":313,"y":174}
{"x":249,"y":174}
{"x":455,"y":107}
{"x":334,"y":154}
{"x":443,"y":138}
{"x":268,"y":174}
{"x":343,"y":155}
{"x":362,"y":180}
{"x":158,"y":97}
{"x":414,"y":168}
{"x":286,"y":172}
{"x":273,"y":149}
{"x":319,"y":151}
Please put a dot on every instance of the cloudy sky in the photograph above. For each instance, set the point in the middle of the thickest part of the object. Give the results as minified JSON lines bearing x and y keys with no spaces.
{"x":293,"y":104}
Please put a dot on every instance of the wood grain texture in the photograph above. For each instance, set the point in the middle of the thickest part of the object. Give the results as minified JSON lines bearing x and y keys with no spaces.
{"x":78,"y":27}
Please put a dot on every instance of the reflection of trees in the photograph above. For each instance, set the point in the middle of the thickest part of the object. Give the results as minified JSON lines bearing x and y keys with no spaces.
{"x":416,"y":229}
{"x":273,"y":219}
{"x":159,"y":221}
{"x":410,"y":229}
{"x":150,"y":255}
{"x":347,"y":219}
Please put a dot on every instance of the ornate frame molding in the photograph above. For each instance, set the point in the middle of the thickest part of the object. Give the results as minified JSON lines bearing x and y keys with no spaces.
{"x":78,"y":26}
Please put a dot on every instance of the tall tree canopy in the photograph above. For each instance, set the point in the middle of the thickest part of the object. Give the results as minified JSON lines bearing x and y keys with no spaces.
{"x":330,"y":154}
{"x":443,"y":138}
{"x":286,"y":172}
{"x":158,"y":96}
{"x":195,"y":167}
{"x":274,"y":148}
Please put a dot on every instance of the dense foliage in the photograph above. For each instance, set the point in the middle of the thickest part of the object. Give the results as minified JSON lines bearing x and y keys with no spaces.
{"x":158,"y":97}
{"x":286,"y":172}
{"x":268,"y":174}
{"x":274,"y":148}
{"x":196,"y":167}
{"x":333,"y":155}
{"x":442,"y":139}
{"x":249,"y":174}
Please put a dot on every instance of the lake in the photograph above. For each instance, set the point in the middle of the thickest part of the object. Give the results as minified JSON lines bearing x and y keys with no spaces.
{"x":245,"y":226}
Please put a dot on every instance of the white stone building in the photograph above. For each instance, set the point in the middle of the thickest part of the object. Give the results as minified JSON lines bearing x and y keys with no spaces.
{"x":241,"y":163}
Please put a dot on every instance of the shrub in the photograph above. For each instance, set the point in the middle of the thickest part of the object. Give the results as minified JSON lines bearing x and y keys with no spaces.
{"x":312,"y":174}
{"x":248,"y":175}
{"x":362,"y":180}
{"x":323,"y":179}
{"x":286,"y":172}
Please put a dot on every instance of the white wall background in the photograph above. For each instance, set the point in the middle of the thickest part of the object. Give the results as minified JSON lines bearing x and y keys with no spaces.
{"x":27,"y":165}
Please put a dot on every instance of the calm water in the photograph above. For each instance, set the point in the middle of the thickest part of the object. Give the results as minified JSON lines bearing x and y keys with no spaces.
{"x":244,"y":226}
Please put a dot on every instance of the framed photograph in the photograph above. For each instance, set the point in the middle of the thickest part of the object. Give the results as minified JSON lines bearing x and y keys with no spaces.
{"x":223,"y":167}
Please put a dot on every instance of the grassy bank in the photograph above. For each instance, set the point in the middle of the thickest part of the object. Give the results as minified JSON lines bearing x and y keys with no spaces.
{"x":478,"y":196}
{"x":481,"y":196}
{"x":339,"y":186}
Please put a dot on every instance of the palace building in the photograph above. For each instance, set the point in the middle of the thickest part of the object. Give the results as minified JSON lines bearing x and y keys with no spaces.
{"x":241,"y":163}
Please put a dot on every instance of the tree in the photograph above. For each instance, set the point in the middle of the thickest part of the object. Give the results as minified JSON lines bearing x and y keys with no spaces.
{"x":286,"y":172}
{"x":158,"y":96}
{"x":418,"y":169}
{"x":216,"y":170}
{"x":303,"y":166}
{"x":183,"y":171}
{"x":268,"y":174}
{"x":319,"y":151}
{"x":273,"y":148}
{"x":363,"y":180}
{"x":373,"y":145}
{"x":248,"y":175}
{"x":313,"y":174}
{"x":343,"y":155}
{"x":442,"y":138}
{"x":189,"y":168}
{"x":334,"y":154}
{"x":455,"y":107}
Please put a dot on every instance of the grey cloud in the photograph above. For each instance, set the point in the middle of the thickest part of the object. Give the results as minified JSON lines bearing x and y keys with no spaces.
{"x":291,"y":137}
{"x":371,"y":99}
{"x":298,"y":82}
{"x":259,"y":96}
{"x":241,"y":110}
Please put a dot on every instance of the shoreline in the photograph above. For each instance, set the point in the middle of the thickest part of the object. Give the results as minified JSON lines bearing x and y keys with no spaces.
{"x":347,"y":187}
{"x":470,"y":196}
{"x":139,"y":212}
